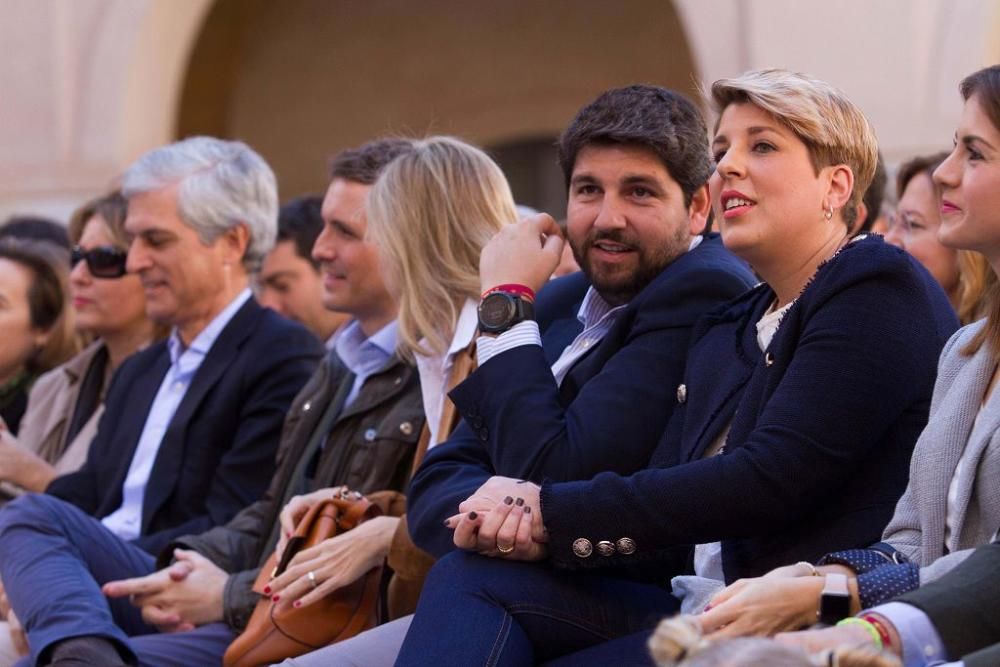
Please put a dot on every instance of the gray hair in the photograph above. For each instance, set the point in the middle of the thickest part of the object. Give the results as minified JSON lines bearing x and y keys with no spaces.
{"x":222,"y":184}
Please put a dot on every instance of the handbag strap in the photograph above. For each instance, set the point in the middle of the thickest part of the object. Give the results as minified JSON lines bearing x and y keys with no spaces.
{"x":461,"y":368}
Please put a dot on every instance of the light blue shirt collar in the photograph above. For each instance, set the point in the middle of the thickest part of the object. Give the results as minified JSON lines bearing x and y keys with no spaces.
{"x":363,"y":355}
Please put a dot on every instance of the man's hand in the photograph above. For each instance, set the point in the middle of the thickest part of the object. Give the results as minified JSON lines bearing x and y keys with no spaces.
{"x":511,"y":528}
{"x":525,"y":253}
{"x":177,"y":598}
{"x":334,"y":563}
{"x":296,"y":508}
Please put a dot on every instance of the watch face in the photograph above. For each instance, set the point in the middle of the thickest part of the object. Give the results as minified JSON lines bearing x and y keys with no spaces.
{"x":496,"y":310}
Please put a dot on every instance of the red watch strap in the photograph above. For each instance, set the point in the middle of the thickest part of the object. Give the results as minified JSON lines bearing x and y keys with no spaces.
{"x":522,"y":291}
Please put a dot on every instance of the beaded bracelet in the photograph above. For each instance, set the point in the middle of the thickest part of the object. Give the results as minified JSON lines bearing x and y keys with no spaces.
{"x":883,"y":632}
{"x":868,"y":626}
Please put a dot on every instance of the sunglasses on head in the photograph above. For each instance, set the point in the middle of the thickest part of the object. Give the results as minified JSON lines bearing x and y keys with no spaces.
{"x":103,"y":262}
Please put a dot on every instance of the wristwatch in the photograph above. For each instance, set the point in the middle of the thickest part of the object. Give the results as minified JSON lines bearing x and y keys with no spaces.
{"x":835,"y":600}
{"x":499,"y":311}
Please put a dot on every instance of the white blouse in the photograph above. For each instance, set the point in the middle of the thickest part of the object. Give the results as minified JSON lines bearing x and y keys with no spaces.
{"x":436,"y":370}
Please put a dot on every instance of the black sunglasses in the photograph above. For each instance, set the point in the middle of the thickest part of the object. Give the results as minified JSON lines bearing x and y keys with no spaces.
{"x":103,"y":262}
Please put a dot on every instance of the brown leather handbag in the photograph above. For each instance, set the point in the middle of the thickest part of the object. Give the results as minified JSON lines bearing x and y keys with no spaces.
{"x":271,"y":635}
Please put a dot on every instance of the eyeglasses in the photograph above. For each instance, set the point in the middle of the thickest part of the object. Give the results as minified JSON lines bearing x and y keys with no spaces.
{"x":103,"y":262}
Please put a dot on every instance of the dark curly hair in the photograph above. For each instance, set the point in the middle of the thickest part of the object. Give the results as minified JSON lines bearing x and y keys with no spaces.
{"x":661,"y":120}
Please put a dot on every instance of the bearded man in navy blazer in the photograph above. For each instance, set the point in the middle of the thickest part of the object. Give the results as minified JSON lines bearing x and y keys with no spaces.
{"x":192,"y":424}
{"x":607,"y":351}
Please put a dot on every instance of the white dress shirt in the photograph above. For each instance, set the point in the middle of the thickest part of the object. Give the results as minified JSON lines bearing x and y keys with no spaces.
{"x":126,"y":521}
{"x":435,"y":371}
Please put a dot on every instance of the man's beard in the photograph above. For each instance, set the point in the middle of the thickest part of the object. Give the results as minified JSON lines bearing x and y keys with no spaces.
{"x":620,"y":289}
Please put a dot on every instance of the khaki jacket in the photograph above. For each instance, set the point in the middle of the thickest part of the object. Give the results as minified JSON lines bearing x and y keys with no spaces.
{"x":50,"y":408}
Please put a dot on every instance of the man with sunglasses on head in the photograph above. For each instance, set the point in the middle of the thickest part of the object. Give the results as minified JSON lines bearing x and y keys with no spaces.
{"x":191,"y":424}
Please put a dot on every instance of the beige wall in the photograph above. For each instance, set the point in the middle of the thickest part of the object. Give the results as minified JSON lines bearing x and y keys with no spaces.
{"x":85,"y":87}
{"x":899,"y":60}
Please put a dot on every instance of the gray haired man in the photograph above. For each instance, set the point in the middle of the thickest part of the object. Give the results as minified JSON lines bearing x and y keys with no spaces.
{"x":191,"y":424}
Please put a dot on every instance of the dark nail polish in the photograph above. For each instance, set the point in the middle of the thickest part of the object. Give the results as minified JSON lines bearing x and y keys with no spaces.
{"x":275,"y":598}
{"x":473,"y":516}
{"x":447,"y":523}
{"x":519,"y":502}
{"x":527,"y":510}
{"x":267,"y":590}
{"x":508,"y":500}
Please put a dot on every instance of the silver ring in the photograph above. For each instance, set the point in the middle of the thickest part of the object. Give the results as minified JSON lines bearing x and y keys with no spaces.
{"x":505,"y":550}
{"x":312,"y":578}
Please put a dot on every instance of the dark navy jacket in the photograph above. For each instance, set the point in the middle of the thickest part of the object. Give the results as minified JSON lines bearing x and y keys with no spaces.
{"x":217,"y":455}
{"x":823,"y":425}
{"x":610,"y":410}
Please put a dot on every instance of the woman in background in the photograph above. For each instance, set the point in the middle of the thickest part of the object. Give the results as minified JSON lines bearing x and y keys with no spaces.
{"x":964,"y":275}
{"x":66,"y":403}
{"x":36,"y":325}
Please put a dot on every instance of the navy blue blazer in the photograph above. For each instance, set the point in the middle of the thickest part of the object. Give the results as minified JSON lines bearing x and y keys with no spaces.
{"x":822,"y":427}
{"x":217,"y":455}
{"x":608,"y":413}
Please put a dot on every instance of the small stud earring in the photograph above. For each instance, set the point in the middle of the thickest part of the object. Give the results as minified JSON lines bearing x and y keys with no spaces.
{"x":828,"y":213}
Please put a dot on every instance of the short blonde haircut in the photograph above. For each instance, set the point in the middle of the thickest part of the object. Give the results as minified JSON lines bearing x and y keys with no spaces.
{"x":430,"y":212}
{"x":828,"y":123}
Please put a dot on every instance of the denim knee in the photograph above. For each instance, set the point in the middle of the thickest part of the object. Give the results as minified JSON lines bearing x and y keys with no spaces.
{"x":35,"y":510}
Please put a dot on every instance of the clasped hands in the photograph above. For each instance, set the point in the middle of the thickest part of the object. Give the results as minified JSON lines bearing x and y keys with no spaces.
{"x":502,"y":519}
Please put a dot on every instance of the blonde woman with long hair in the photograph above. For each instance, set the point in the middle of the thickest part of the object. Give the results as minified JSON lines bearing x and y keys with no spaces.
{"x":430,"y":214}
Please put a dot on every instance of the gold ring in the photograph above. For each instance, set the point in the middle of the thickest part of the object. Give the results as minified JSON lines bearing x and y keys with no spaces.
{"x":505,"y":550}
{"x":312,"y":578}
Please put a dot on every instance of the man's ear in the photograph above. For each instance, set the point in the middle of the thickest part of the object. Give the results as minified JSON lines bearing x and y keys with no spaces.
{"x":235,"y":241}
{"x":698,"y":210}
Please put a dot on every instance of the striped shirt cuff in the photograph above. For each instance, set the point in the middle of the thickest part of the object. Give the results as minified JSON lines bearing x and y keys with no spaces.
{"x":522,"y":333}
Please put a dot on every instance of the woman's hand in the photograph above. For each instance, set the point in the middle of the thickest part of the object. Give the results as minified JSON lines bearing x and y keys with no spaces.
{"x":21,"y":466}
{"x":334,"y":563}
{"x":296,"y":508}
{"x":511,"y":528}
{"x":763,"y":606}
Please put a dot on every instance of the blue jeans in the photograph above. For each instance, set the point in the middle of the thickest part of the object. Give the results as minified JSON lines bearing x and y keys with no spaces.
{"x":476,"y":610}
{"x":53,"y":561}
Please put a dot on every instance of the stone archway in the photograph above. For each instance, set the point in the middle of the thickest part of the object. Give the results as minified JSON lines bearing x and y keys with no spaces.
{"x":302,"y":79}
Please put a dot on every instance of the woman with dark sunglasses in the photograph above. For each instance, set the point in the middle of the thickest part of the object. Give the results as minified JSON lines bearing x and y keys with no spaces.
{"x":65,"y":404}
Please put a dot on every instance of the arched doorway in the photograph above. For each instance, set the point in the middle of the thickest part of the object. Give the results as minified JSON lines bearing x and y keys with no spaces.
{"x":302,"y":79}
